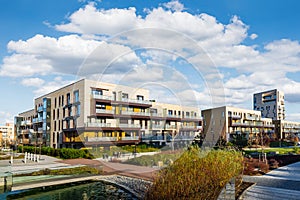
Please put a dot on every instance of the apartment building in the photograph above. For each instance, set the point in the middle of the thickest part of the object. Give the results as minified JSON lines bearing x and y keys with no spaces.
{"x":287,"y":129}
{"x":89,"y":113}
{"x":227,"y":122}
{"x":7,"y":136}
{"x":270,"y":103}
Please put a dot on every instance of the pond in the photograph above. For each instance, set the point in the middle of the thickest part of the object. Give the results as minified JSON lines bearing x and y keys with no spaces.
{"x":74,"y":191}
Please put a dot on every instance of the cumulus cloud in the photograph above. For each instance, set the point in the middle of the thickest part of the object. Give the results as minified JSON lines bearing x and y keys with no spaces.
{"x":6,"y":117}
{"x":122,"y":46}
{"x":33,"y":82}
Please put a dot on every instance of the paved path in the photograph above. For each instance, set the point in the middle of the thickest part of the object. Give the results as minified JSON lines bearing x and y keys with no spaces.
{"x":281,"y":183}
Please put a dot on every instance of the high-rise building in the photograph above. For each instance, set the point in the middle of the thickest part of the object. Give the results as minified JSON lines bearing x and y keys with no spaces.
{"x":270,"y":103}
{"x":89,"y":113}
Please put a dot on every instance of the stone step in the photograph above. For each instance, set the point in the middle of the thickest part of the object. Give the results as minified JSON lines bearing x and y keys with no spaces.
{"x":270,"y":193}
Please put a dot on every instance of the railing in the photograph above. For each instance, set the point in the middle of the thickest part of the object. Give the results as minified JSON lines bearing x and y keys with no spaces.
{"x":98,"y":96}
{"x":157,"y":126}
{"x":171,"y":126}
{"x":95,"y":124}
{"x":105,"y":111}
{"x":129,"y":125}
{"x":156,"y":114}
{"x":124,"y":112}
{"x":40,"y":109}
{"x":40,"y":130}
{"x":100,"y":139}
{"x":187,"y":126}
{"x":129,"y":138}
{"x":173,"y":116}
{"x":152,"y":137}
{"x":37,"y":120}
{"x":27,"y":122}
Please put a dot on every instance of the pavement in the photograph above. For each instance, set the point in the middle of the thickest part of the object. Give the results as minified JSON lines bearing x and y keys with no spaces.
{"x":281,"y":183}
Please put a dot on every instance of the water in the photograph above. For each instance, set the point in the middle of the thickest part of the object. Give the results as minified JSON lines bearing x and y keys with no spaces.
{"x":83,"y":191}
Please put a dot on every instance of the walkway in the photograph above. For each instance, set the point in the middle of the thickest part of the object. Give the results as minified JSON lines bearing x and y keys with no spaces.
{"x":281,"y":183}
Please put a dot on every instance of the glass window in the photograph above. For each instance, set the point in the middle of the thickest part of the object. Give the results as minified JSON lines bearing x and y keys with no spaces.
{"x":76,"y":96}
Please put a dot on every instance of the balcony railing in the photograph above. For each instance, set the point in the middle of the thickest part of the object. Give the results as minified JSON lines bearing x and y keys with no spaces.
{"x":129,"y":125}
{"x":40,"y":109}
{"x":189,"y":127}
{"x":157,"y":126}
{"x":129,"y":138}
{"x":95,"y":124}
{"x":103,"y":111}
{"x":98,"y":96}
{"x":26,"y":122}
{"x":171,"y":126}
{"x":37,"y":120}
{"x":100,"y":139}
{"x":124,"y":112}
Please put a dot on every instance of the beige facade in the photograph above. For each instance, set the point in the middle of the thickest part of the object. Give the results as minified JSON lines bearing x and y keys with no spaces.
{"x":91,"y":113}
{"x":270,"y":103}
{"x":227,"y":122}
{"x":7,"y":136}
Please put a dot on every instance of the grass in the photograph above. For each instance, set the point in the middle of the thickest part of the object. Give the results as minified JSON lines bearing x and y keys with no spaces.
{"x":83,"y":170}
{"x":281,"y":151}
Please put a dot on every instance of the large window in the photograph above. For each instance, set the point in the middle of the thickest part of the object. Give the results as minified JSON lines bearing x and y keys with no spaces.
{"x":76,"y":96}
{"x":97,"y":92}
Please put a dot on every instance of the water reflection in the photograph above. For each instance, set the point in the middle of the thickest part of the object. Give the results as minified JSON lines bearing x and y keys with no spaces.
{"x":87,"y":191}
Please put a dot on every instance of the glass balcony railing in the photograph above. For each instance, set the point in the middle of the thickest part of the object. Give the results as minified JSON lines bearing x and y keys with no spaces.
{"x":104,"y":111}
{"x":98,"y":96}
{"x":124,"y":112}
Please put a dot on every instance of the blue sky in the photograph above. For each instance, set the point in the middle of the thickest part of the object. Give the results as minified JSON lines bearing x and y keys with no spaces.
{"x":249,"y":46}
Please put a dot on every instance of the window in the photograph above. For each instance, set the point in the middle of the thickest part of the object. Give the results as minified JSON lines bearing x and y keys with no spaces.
{"x":55,"y":103}
{"x":179,"y":113}
{"x":140,"y":97}
{"x":57,"y":113}
{"x":124,"y":96}
{"x":59,"y":100}
{"x":62,"y":100}
{"x":96,"y":92}
{"x":68,"y":98}
{"x":187,"y":114}
{"x":53,"y":114}
{"x":76,"y":96}
{"x":170,"y":112}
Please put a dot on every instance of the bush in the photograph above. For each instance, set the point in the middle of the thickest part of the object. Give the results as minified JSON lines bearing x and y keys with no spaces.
{"x":197,"y":175}
{"x":64,"y":153}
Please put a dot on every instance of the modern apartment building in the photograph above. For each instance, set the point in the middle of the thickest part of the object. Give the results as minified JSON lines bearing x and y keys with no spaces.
{"x":7,"y":136}
{"x":227,"y":122}
{"x":286,"y":129}
{"x":89,"y":113}
{"x":270,"y":103}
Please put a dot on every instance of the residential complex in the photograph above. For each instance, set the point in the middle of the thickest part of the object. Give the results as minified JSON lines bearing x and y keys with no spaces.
{"x":88,"y":113}
{"x":227,"y":122}
{"x":270,"y":103}
{"x":7,"y":136}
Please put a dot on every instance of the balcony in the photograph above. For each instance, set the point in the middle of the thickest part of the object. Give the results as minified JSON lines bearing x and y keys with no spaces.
{"x":129,"y":138}
{"x":37,"y":120}
{"x":103,"y":111}
{"x":124,"y":112}
{"x":235,"y":116}
{"x":95,"y":124}
{"x":100,"y":139}
{"x":40,"y":109}
{"x":173,"y":116}
{"x":98,"y":96}
{"x":40,"y":130}
{"x":129,"y":125}
{"x":26,"y":122}
{"x":188,"y":127}
{"x":157,"y":126}
{"x":168,"y":126}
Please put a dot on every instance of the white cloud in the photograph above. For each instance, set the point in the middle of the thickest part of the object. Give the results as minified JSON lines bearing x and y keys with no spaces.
{"x":121,"y":46}
{"x":6,"y":117}
{"x":33,"y":82}
{"x":174,"y":5}
{"x":253,"y":36}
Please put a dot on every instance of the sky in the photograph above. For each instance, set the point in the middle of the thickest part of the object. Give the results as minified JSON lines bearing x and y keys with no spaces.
{"x":201,"y":53}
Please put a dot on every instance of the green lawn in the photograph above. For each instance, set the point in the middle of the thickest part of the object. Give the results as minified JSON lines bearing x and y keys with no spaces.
{"x":281,"y":151}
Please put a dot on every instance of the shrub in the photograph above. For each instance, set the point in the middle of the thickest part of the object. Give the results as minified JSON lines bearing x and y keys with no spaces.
{"x":196,"y":175}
